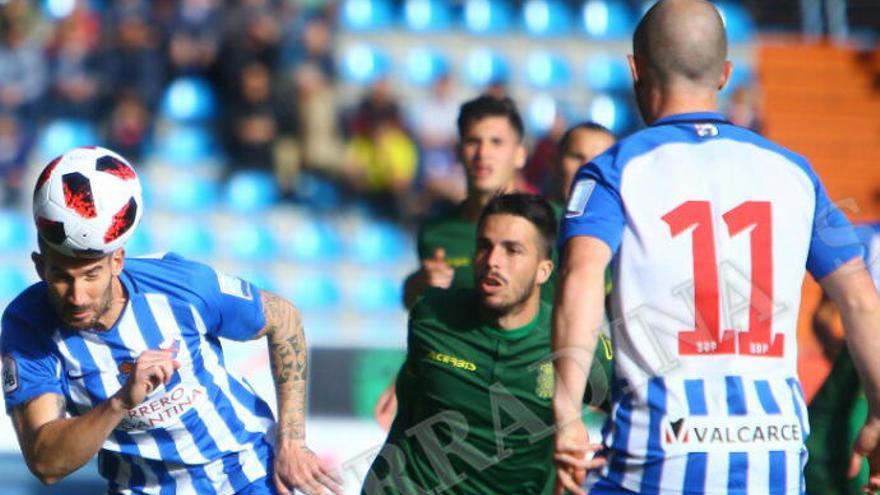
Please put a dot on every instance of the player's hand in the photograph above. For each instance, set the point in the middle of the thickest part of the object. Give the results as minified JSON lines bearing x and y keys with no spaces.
{"x":297,"y":467}
{"x":386,"y":407}
{"x":152,"y":369}
{"x":573,"y":455}
{"x":867,"y":444}
{"x":435,"y":271}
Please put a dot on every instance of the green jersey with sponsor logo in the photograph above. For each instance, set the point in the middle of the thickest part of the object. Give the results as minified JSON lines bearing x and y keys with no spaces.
{"x":474,"y":404}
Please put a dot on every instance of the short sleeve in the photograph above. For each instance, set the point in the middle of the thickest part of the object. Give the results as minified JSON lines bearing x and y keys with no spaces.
{"x":236,"y":302}
{"x":30,"y":369}
{"x":834,"y":240}
{"x":594,"y":208}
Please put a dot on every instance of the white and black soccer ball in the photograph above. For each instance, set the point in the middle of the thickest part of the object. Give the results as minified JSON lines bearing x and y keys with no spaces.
{"x":87,"y":202}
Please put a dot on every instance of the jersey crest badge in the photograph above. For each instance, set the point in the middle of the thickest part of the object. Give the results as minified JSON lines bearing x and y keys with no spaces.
{"x":706,"y":130}
{"x":10,"y":375}
{"x":544,"y":385}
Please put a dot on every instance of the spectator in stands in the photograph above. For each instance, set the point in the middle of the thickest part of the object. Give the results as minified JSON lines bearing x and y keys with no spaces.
{"x":23,"y":72}
{"x":309,"y":40}
{"x":538,"y":170}
{"x":252,"y":123}
{"x":836,"y":23}
{"x":433,"y":122}
{"x":128,"y":126}
{"x":75,"y":72}
{"x":194,"y":38}
{"x":133,"y":60}
{"x":252,"y":35}
{"x":579,"y":145}
{"x":15,"y":144}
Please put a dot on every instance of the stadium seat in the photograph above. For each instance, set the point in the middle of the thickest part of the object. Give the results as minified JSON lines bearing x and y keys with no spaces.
{"x":541,"y":113}
{"x":317,"y":192}
{"x":607,"y":20}
{"x":314,"y":241}
{"x":186,"y":192}
{"x":376,"y":243}
{"x":252,"y":241}
{"x":376,"y":293}
{"x":366,"y":15}
{"x":739,"y":23}
{"x":191,"y":238}
{"x":427,"y":15}
{"x":58,"y":9}
{"x":251,"y":191}
{"x":13,"y":280}
{"x":364,"y":64}
{"x":424,"y":66}
{"x":546,"y":18}
{"x":15,"y":231}
{"x":185,"y":145}
{"x":546,"y":70}
{"x":607,"y":73}
{"x":260,"y":280}
{"x":610,"y":111}
{"x":60,"y":135}
{"x":487,"y":16}
{"x":315,"y":291}
{"x":141,"y":242}
{"x":188,"y":100}
{"x":484,"y":66}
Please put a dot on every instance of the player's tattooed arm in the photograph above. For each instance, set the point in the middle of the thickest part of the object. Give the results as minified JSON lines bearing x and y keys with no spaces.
{"x":288,"y":356}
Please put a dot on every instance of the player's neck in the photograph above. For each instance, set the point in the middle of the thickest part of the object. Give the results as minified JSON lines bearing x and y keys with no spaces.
{"x":118,"y":300}
{"x":519,"y":316}
{"x":477,"y":200}
{"x":666,"y":103}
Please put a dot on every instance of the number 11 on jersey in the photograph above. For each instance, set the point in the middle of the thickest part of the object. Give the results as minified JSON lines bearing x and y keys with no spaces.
{"x":707,"y":338}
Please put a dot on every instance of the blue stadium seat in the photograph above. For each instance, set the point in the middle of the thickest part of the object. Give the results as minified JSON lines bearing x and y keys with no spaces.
{"x":376,"y":243}
{"x":607,"y":20}
{"x":484,"y":66}
{"x":185,"y":145}
{"x":364,"y":64}
{"x":192,"y":239}
{"x":251,"y":191}
{"x":541,"y":113}
{"x":188,"y":100}
{"x":545,"y":70}
{"x":252,"y":241}
{"x":376,"y":293}
{"x":607,"y":73}
{"x":314,"y":241}
{"x":739,"y":23}
{"x":60,"y":135}
{"x":58,"y":9}
{"x":13,"y":280}
{"x":487,"y":16}
{"x":315,"y":291}
{"x":546,"y":18}
{"x":427,"y":15}
{"x":610,"y":111}
{"x":424,"y":66}
{"x":15,"y":231}
{"x":141,"y":242}
{"x":366,"y":15}
{"x":260,"y":280}
{"x":317,"y":192}
{"x":187,"y":192}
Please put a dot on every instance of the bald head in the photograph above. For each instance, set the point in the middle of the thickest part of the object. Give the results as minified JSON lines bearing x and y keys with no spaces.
{"x":682,"y":42}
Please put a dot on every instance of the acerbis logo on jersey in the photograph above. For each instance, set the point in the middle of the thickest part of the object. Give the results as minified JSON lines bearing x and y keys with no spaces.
{"x":735,"y":434}
{"x":10,"y":375}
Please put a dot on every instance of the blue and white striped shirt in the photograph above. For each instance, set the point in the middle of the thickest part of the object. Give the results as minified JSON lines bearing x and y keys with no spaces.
{"x":207,"y":431}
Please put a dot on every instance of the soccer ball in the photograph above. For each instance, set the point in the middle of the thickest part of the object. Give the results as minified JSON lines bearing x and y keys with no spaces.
{"x":87,"y":202}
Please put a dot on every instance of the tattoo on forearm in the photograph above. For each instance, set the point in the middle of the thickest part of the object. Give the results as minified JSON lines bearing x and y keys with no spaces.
{"x":288,"y":355}
{"x":61,"y":404}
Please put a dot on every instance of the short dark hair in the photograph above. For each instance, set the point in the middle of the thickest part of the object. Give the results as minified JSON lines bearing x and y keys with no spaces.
{"x":587,"y":126}
{"x":489,"y":106}
{"x":535,"y":209}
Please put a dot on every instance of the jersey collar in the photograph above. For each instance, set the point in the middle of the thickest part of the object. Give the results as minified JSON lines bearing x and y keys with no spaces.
{"x":515,"y":333}
{"x":690,"y":117}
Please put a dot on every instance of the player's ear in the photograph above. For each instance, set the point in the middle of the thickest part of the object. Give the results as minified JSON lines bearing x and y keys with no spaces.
{"x":725,"y":74}
{"x":39,"y":264}
{"x":117,"y":261}
{"x":521,"y":155}
{"x":633,"y":68}
{"x":545,"y":269}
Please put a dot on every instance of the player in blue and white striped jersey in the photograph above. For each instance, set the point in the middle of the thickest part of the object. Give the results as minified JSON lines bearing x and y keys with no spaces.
{"x":709,"y":229}
{"x":122,"y":358}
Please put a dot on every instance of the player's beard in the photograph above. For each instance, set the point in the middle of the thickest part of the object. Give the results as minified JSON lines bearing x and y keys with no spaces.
{"x":100,"y":309}
{"x":520,"y":297}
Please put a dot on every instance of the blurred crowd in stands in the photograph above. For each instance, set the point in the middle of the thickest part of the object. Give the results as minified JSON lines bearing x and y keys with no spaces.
{"x":272,"y":68}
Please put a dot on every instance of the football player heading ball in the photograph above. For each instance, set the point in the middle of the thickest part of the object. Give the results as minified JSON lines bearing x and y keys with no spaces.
{"x":121,"y":357}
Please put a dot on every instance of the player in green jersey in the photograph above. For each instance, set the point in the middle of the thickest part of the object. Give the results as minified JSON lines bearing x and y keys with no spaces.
{"x":475,"y":391}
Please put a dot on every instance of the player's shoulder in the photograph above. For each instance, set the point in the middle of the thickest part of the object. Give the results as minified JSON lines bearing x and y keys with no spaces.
{"x":169,"y":273}
{"x":27,"y":316}
{"x":452,"y":309}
